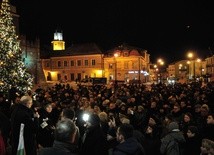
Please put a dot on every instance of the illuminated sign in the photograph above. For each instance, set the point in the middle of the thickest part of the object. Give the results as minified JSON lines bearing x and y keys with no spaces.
{"x":136,"y":72}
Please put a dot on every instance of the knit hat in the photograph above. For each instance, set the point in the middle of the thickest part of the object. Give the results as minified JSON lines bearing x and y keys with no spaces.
{"x":173,"y":126}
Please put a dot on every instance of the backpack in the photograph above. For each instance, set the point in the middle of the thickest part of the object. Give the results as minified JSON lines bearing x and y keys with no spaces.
{"x":175,"y":148}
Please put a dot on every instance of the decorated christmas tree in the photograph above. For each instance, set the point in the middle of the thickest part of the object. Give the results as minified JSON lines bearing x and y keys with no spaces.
{"x":13,"y":72}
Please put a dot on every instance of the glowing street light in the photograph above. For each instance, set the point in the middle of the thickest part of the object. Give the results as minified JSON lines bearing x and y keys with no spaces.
{"x":115,"y":64}
{"x":160,"y":63}
{"x":190,"y":55}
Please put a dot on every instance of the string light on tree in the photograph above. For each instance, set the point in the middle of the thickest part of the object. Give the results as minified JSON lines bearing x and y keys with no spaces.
{"x":12,"y":70}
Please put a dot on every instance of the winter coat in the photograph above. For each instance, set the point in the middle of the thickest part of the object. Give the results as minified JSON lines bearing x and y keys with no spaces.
{"x":45,"y":135}
{"x":130,"y":147}
{"x":22,"y":114}
{"x":94,"y":142}
{"x":172,"y":143}
{"x":193,"y":142}
{"x":59,"y":148}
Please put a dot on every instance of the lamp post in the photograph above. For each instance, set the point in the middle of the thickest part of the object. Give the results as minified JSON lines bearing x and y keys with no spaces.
{"x":189,"y":75}
{"x":156,"y":72}
{"x":160,"y":63}
{"x":190,"y":55}
{"x":200,"y":66}
{"x":139,"y":71}
{"x":103,"y":65}
{"x":115,"y":68}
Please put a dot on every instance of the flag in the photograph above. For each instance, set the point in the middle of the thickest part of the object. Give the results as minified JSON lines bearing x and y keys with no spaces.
{"x":21,"y":146}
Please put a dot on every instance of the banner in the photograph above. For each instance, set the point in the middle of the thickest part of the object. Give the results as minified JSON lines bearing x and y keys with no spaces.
{"x":21,"y":146}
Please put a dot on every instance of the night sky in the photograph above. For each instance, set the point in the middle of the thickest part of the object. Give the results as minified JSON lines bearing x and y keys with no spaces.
{"x":167,"y":29}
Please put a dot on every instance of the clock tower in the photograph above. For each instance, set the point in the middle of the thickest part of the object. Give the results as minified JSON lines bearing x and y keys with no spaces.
{"x":58,"y":43}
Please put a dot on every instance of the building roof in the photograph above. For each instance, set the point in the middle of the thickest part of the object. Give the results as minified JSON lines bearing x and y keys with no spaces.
{"x":125,"y":46}
{"x":74,"y":50}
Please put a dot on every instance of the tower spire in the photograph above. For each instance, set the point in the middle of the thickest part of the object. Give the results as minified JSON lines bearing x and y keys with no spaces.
{"x":58,"y":43}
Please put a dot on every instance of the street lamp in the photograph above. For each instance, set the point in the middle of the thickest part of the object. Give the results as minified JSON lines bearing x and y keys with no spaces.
{"x":156,"y":72}
{"x":189,"y":75}
{"x":190,"y":55}
{"x":115,"y":67}
{"x":160,"y":63}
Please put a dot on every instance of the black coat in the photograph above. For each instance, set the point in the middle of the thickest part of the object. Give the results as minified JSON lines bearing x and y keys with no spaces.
{"x":22,"y":114}
{"x":130,"y":146}
{"x":59,"y":148}
{"x":95,"y":142}
{"x":45,"y":136}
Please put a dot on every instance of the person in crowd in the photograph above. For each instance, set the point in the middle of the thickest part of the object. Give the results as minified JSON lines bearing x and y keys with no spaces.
{"x":207,"y":147}
{"x":104,"y":121}
{"x":94,"y":140}
{"x":139,"y":118}
{"x":193,"y":140}
{"x":24,"y":114}
{"x":151,"y":142}
{"x":64,"y":139}
{"x":4,"y":130}
{"x":14,"y":103}
{"x":4,"y":105}
{"x":127,"y":143}
{"x":167,"y":120}
{"x":201,"y":122}
{"x":69,"y":113}
{"x":45,"y":135}
{"x":177,"y":113}
{"x":173,"y":142}
{"x":209,"y":129}
{"x":187,"y":121}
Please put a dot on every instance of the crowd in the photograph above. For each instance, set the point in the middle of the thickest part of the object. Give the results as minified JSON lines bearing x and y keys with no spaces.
{"x":127,"y":119}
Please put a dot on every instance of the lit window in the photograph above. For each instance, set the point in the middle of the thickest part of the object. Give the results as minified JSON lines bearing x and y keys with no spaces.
{"x":78,"y":62}
{"x":86,"y":62}
{"x":59,"y":64}
{"x":93,"y":62}
{"x":72,"y":63}
{"x":65,"y":63}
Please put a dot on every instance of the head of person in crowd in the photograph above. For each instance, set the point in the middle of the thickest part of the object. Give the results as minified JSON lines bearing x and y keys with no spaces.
{"x":154,"y":120}
{"x":176,"y":108}
{"x":197,"y":108}
{"x":27,"y":101}
{"x":140,"y":109}
{"x":168,"y":119}
{"x":210,"y":119}
{"x":207,"y":147}
{"x":36,"y":106}
{"x":65,"y":131}
{"x":103,"y":116}
{"x":204,"y":110}
{"x":96,"y":109}
{"x":173,"y":127}
{"x":48,"y":108}
{"x":17,"y":99}
{"x":68,"y":113}
{"x":124,"y":132}
{"x":192,"y":131}
{"x":125,"y":121}
{"x":187,"y":117}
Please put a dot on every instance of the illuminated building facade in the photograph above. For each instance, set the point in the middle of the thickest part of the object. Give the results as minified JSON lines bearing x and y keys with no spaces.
{"x":77,"y":62}
{"x":127,"y":63}
{"x":83,"y":61}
